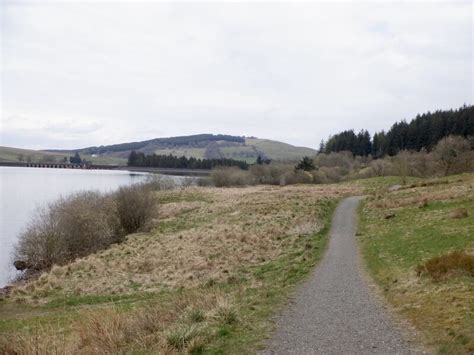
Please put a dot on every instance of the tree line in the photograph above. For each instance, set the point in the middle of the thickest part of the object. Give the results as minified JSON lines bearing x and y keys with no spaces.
{"x":139,"y":159}
{"x":423,"y":132}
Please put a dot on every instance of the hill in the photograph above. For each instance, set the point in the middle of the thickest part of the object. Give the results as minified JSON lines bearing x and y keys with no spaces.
{"x":9,"y":154}
{"x":200,"y":146}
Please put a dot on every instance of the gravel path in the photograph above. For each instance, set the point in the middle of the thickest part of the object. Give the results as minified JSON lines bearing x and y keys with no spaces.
{"x":334,"y":312}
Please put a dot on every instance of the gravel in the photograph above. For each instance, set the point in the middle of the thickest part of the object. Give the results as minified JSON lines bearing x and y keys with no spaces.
{"x":334,"y":312}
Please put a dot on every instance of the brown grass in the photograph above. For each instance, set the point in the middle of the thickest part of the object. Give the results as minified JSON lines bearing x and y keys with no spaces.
{"x":458,"y":213}
{"x":195,"y":266}
{"x":423,"y":195}
{"x":204,"y":238}
{"x":457,"y":262}
{"x":197,"y":241}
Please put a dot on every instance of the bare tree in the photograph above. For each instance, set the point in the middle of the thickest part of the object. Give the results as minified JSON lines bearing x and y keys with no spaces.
{"x":452,"y":155}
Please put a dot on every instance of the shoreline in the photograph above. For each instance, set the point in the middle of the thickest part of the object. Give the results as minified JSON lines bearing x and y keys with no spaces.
{"x":163,"y":171}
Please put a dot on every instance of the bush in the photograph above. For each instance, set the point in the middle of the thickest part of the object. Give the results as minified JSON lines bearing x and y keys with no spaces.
{"x":453,"y":155}
{"x":159,"y":183}
{"x":296,"y":177}
{"x":226,"y":177}
{"x":382,"y":167}
{"x":135,"y":206}
{"x":204,"y":182}
{"x":83,"y":223}
{"x":270,"y":173}
{"x":69,"y":228}
{"x":187,"y":181}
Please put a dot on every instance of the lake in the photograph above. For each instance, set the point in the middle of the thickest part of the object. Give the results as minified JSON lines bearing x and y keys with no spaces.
{"x":22,"y":190}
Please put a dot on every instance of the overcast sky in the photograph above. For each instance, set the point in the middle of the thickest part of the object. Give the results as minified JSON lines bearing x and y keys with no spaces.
{"x":79,"y":74}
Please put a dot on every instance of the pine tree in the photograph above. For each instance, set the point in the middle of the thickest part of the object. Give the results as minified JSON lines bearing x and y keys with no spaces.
{"x":305,"y":164}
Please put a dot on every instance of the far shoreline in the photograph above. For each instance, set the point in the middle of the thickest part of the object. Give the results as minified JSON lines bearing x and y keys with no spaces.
{"x":163,"y":171}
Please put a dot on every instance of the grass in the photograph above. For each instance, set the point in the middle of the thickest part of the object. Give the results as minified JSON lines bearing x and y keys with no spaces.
{"x":446,"y":265}
{"x":8,"y":154}
{"x":278,"y":150}
{"x":218,"y":264}
{"x":246,"y":153}
{"x":431,"y":234}
{"x":198,"y":153}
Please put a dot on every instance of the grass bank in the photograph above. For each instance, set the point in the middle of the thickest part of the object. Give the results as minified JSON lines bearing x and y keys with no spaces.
{"x":402,"y":232}
{"x":218,"y":264}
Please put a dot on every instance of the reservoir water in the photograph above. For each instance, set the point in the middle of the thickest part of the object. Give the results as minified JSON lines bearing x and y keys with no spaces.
{"x":22,"y":190}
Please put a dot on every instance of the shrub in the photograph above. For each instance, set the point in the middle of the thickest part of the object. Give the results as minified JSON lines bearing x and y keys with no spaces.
{"x":159,"y":183}
{"x":455,"y":262}
{"x":204,"y":182}
{"x":186,"y":182}
{"x":269,"y":173}
{"x":135,"y":206}
{"x":69,"y":228}
{"x":83,"y":223}
{"x":382,"y":167}
{"x":328,"y":175}
{"x":453,"y":155}
{"x":226,"y":177}
{"x":296,"y":177}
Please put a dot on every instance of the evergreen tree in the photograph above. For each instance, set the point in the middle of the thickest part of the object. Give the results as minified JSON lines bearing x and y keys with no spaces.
{"x":305,"y":164}
{"x":76,"y":159}
{"x":139,"y":159}
{"x":321,"y":146}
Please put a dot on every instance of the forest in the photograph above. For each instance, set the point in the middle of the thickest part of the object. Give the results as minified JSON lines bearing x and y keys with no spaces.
{"x":138,"y":159}
{"x":422,"y":132}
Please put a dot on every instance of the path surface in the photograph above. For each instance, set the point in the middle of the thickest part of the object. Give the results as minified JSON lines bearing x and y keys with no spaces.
{"x":335,"y":312}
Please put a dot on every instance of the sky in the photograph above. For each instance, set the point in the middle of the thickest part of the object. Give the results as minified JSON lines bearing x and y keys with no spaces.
{"x":79,"y":74}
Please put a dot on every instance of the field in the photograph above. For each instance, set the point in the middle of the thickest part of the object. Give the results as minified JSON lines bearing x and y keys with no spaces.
{"x":219,"y":263}
{"x":278,"y":150}
{"x":209,"y":276}
{"x":198,"y":153}
{"x":8,"y":154}
{"x":246,"y":153}
{"x":400,"y":231}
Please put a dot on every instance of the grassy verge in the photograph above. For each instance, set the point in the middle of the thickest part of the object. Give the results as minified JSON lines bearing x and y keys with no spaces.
{"x":217,"y":265}
{"x":403,"y":231}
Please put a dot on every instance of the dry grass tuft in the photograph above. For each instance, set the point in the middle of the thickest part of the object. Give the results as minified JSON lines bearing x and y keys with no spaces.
{"x":180,"y":337}
{"x":104,"y":332}
{"x":457,"y":262}
{"x":423,"y":202}
{"x":459,"y":213}
{"x":40,"y":343}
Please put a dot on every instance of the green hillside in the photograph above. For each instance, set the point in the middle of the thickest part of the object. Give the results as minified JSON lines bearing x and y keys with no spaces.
{"x":279,"y":151}
{"x":9,"y":154}
{"x":200,"y":146}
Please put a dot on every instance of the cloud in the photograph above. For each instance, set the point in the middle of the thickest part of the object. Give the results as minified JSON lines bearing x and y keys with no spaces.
{"x":112,"y":72}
